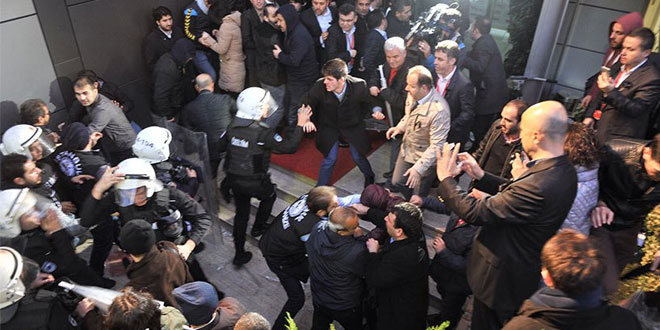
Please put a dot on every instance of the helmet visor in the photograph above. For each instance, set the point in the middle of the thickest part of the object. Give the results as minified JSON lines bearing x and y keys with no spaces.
{"x":127,"y":197}
{"x":42,"y":147}
{"x":268,"y":105}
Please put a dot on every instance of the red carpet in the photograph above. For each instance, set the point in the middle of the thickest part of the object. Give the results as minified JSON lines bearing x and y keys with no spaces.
{"x":307,"y":160}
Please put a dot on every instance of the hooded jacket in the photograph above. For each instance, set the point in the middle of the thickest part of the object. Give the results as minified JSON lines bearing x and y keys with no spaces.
{"x":336,"y":267}
{"x":298,"y":54}
{"x":552,"y":309}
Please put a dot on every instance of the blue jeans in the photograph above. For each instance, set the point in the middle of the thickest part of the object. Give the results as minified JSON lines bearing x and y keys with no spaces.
{"x":328,"y":164}
{"x":203,"y":65}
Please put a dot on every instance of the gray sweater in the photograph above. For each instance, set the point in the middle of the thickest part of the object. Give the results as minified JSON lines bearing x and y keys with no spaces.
{"x":110,"y":120}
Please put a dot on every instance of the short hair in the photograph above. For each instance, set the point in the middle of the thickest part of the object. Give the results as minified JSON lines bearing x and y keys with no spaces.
{"x":89,"y":74}
{"x":338,"y":218}
{"x":398,"y":5}
{"x":83,"y":81}
{"x":394,"y":43}
{"x":409,"y":218}
{"x":133,"y":310}
{"x":450,"y":48}
{"x":336,"y":68}
{"x":203,"y":81}
{"x":159,"y":12}
{"x":655,"y":147}
{"x":581,"y":145}
{"x":272,"y":5}
{"x":645,"y":35}
{"x":31,"y":110}
{"x":424,"y":77}
{"x":252,"y":321}
{"x":320,"y":198}
{"x":375,"y":18}
{"x":12,"y":167}
{"x":346,"y":9}
{"x":482,"y":23}
{"x":573,"y":262}
{"x":520,"y":106}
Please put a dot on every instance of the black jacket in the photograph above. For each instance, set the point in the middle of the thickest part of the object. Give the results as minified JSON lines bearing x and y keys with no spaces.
{"x":157,"y":43}
{"x":337,"y":268}
{"x":334,"y":118}
{"x":624,"y":185}
{"x":374,"y":54}
{"x":551,"y":309}
{"x":396,"y":28}
{"x":308,"y":19}
{"x":195,"y":22}
{"x":298,"y":54}
{"x":249,"y":24}
{"x":209,"y":113}
{"x":271,"y":71}
{"x":399,"y":275}
{"x":485,"y":147}
{"x":74,"y":163}
{"x":168,"y":82}
{"x":460,"y":96}
{"x":487,"y":74}
{"x":336,"y":46}
{"x":628,"y":108}
{"x":504,"y":263}
{"x":395,"y":93}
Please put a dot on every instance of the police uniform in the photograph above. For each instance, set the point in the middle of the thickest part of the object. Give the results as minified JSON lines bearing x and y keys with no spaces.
{"x":248,"y":144}
{"x":283,"y":246}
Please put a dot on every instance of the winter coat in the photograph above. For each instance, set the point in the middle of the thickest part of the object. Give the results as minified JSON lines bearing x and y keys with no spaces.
{"x":585,"y":200}
{"x":298,"y":54}
{"x":230,"y":47}
{"x":209,"y":113}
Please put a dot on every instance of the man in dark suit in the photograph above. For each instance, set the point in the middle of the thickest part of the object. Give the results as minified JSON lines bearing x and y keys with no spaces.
{"x":339,"y":103}
{"x":251,"y":18}
{"x":373,"y":46}
{"x":504,"y":264}
{"x":317,"y":20}
{"x":398,"y":18}
{"x":395,"y":71}
{"x":456,"y":89}
{"x":628,"y":101}
{"x":160,"y":40}
{"x":487,"y":74}
{"x":345,"y":40}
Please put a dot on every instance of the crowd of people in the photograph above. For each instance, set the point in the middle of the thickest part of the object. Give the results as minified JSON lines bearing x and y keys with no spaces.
{"x":538,"y":238}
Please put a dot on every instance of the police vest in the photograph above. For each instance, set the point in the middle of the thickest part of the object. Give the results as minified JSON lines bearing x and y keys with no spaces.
{"x":162,"y":214}
{"x":246,"y":155}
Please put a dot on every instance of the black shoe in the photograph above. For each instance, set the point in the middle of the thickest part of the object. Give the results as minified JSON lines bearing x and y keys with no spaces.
{"x":242,"y":259}
{"x":368,"y":180}
{"x":257,"y":231}
{"x":387,"y":175}
{"x":107,"y":283}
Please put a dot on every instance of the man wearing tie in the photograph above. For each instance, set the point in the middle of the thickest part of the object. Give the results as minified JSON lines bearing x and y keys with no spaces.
{"x":345,"y":39}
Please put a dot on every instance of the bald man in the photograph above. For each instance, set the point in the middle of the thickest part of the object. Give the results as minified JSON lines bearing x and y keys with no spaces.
{"x":504,"y":264}
{"x":337,"y":261}
{"x":210,"y":113}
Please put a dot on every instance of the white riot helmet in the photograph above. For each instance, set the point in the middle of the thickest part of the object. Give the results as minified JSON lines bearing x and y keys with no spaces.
{"x":22,"y":139}
{"x":153,"y":144}
{"x":15,"y":203}
{"x":255,"y":103}
{"x":12,"y":288}
{"x":138,"y":173}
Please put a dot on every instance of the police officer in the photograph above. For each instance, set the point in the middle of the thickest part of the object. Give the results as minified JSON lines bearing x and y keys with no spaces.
{"x":174,"y":215}
{"x":283,"y":245}
{"x":153,"y":145}
{"x":248,"y":142}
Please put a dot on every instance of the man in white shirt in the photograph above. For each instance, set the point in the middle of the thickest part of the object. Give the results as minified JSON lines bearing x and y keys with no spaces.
{"x":317,"y":20}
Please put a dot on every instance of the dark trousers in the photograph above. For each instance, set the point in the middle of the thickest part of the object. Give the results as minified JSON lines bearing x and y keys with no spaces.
{"x":117,"y":156}
{"x":294,"y":92}
{"x":104,"y":236}
{"x":618,"y":248}
{"x":486,"y":318}
{"x":349,"y":319}
{"x":480,"y":127}
{"x":290,"y":278}
{"x":266,"y":194}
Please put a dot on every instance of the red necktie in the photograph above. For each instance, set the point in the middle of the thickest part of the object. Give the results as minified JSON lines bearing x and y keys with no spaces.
{"x":350,"y":40}
{"x":444,"y":91}
{"x":392,"y":75}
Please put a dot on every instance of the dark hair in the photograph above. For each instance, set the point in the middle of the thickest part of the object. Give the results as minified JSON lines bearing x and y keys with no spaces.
{"x":336,"y":68}
{"x":655,"y":148}
{"x":375,"y":18}
{"x":450,"y":48}
{"x":581,"y":145}
{"x":83,"y":81}
{"x":31,"y":110}
{"x":302,"y":2}
{"x":159,"y":12}
{"x":12,"y":167}
{"x":520,"y":105}
{"x":573,"y":262}
{"x":320,"y":198}
{"x":409,"y":219}
{"x":346,"y":9}
{"x":482,"y":23}
{"x":398,"y":5}
{"x":645,"y":35}
{"x":133,"y":310}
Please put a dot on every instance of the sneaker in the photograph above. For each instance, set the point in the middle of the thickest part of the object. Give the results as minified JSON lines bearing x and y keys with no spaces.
{"x":242,"y":259}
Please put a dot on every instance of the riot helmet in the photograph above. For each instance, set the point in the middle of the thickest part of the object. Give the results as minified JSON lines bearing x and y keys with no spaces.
{"x":27,"y":140}
{"x":21,"y":203}
{"x":139,"y":178}
{"x":153,"y":144}
{"x":255,"y":103}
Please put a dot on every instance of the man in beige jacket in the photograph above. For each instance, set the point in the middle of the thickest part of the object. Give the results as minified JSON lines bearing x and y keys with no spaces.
{"x":425,"y":126}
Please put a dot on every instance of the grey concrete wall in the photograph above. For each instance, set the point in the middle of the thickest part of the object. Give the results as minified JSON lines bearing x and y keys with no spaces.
{"x":584,"y":39}
{"x":44,"y":43}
